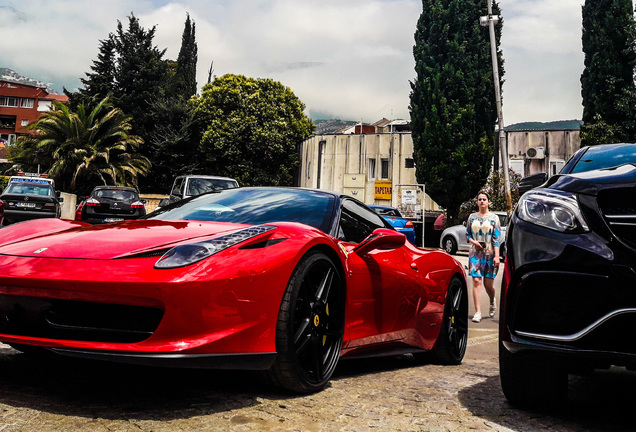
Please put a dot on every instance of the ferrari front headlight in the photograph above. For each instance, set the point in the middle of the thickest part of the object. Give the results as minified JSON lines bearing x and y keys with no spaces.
{"x":555,"y":210}
{"x":187,"y":254}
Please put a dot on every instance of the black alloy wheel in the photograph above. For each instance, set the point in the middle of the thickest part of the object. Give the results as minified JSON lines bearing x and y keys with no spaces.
{"x":453,"y":338}
{"x":450,"y":245}
{"x":310,"y":326}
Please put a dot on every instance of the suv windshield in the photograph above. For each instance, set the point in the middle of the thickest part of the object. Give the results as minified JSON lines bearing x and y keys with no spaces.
{"x":604,"y":156}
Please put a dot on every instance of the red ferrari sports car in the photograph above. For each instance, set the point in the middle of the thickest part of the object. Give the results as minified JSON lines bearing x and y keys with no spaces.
{"x":283,"y":280}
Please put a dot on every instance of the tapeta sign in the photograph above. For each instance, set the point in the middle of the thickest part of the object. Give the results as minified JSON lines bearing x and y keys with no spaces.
{"x":383,"y":189}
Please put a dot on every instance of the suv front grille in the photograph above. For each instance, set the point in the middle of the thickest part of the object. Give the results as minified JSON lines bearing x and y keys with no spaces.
{"x":619,"y":209}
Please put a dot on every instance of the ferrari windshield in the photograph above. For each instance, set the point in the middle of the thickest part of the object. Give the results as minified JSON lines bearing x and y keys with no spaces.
{"x":255,"y":206}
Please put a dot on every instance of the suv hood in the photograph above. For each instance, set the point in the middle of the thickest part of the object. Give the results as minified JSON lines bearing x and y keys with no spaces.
{"x":591,"y":182}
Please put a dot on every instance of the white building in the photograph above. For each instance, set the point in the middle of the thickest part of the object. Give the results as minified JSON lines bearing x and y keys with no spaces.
{"x":373,"y":163}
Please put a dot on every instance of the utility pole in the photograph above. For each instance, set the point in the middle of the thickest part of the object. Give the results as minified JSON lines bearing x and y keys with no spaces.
{"x":490,"y":21}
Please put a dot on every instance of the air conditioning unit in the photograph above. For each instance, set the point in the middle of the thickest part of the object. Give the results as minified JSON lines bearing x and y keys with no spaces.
{"x":536,"y":153}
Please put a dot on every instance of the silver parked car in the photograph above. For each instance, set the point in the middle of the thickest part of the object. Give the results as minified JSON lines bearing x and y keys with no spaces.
{"x":453,"y":238}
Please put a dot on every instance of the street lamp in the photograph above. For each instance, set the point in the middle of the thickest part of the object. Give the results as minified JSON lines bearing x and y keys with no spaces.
{"x":490,"y":20}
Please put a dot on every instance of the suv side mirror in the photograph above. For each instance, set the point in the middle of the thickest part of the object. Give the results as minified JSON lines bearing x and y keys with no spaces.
{"x":531,"y":182}
{"x":381,"y":239}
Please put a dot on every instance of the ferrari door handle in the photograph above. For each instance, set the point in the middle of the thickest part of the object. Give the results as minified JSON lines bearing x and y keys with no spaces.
{"x":414,"y":266}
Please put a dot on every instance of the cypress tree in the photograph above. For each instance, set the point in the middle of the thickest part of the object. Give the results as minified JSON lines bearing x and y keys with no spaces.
{"x":453,"y":109}
{"x":186,"y":74}
{"x":607,"y":82}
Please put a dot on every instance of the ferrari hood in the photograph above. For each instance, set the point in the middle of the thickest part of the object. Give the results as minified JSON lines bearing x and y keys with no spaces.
{"x":115,"y":240}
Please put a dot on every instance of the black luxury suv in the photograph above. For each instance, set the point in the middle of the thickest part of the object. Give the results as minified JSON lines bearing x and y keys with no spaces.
{"x":568,"y":296}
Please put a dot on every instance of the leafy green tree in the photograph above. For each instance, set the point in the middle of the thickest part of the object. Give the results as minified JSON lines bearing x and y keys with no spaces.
{"x":82,"y":149}
{"x":251,"y":130}
{"x":453,"y":109}
{"x":607,"y":81}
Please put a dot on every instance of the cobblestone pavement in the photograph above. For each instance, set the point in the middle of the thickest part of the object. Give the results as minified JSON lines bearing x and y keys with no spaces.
{"x":386,"y":394}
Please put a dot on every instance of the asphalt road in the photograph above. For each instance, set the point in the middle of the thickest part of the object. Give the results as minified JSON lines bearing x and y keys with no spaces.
{"x":387,"y":394}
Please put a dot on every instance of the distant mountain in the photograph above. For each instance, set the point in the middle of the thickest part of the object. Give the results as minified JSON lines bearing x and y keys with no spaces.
{"x":7,"y":74}
{"x":553,"y":125}
{"x":324,"y":127}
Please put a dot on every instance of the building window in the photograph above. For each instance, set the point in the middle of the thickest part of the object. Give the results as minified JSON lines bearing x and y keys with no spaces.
{"x":24,"y":122}
{"x":385,"y":169}
{"x":371,"y":171}
{"x":27,"y":103}
{"x":409,"y":163}
{"x":9,"y":101}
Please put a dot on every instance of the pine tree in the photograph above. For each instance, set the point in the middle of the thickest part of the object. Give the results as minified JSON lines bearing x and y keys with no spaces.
{"x":140,"y":70}
{"x":453,"y":110}
{"x":131,"y":69}
{"x":607,"y":82}
{"x":103,"y":79}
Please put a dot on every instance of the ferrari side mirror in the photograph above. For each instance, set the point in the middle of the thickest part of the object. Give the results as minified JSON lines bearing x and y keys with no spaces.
{"x":380,"y":239}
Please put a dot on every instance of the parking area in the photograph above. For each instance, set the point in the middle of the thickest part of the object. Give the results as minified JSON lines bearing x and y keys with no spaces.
{"x":394,"y":393}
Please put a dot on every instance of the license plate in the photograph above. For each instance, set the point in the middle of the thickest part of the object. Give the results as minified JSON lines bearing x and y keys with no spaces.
{"x":113,"y":220}
{"x":25,"y":204}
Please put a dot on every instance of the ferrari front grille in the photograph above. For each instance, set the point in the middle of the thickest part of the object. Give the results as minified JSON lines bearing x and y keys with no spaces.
{"x":76,"y":320}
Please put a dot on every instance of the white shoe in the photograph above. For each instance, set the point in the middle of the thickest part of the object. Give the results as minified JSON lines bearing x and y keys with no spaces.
{"x":493,"y":309}
{"x":477,"y":317}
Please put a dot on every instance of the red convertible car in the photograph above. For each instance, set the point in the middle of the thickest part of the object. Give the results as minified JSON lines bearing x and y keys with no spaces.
{"x":282,"y":280}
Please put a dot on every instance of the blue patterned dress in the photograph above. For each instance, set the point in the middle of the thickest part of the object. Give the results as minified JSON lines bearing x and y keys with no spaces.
{"x":483,"y":229}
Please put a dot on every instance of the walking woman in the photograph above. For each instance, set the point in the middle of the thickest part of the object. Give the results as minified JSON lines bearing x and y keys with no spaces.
{"x":483,"y":231}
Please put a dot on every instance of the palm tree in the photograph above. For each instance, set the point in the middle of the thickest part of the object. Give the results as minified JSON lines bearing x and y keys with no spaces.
{"x":80,"y":149}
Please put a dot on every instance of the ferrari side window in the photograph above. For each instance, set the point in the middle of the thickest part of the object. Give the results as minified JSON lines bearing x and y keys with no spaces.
{"x":357,"y":222}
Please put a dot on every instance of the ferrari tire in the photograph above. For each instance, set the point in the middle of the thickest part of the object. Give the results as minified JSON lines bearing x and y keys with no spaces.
{"x":531,"y":381}
{"x":450,"y":347}
{"x":450,"y":245}
{"x":310,"y":326}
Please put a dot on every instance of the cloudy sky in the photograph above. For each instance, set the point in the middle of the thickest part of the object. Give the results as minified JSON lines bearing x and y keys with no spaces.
{"x":347,"y":59}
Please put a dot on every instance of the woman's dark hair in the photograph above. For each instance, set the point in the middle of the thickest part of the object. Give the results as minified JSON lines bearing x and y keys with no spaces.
{"x":483,"y":192}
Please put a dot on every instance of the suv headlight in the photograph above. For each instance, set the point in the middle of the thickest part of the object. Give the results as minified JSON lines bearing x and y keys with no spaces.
{"x":555,"y":210}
